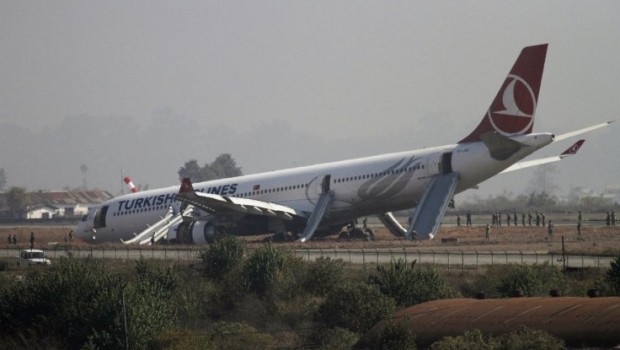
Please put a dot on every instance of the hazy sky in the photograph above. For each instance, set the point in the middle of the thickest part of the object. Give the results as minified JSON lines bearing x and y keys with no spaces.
{"x":140,"y":87}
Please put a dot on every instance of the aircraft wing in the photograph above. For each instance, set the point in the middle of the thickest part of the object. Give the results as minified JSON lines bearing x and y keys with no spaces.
{"x":213,"y":203}
{"x":535,"y":162}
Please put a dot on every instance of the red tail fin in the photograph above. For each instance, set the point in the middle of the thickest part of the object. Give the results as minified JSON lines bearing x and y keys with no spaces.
{"x":186,"y":186}
{"x":513,"y":109}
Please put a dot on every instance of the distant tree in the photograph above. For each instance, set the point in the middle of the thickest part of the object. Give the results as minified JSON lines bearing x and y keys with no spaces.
{"x":192,"y":170}
{"x":595,"y":203}
{"x":2,"y":179}
{"x":222,"y":167}
{"x":542,"y":179}
{"x":225,"y":166}
{"x":541,"y":200}
{"x":17,"y":201}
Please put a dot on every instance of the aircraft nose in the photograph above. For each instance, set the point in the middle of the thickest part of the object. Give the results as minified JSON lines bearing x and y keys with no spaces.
{"x":83,"y":228}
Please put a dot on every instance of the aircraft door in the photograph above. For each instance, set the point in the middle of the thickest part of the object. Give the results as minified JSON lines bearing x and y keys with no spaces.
{"x":446,"y":163}
{"x":439,"y":163}
{"x":323,"y":184}
{"x":433,"y":165}
{"x":100,"y":215}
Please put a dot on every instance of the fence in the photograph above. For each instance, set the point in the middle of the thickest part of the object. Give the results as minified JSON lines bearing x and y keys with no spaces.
{"x":456,"y":259}
{"x":447,"y":258}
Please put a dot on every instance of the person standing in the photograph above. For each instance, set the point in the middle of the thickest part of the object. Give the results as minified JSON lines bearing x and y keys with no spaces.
{"x":542,"y":215}
{"x":468,"y":217}
{"x":487,"y":230}
{"x":514,"y":216}
{"x":579,"y":228}
{"x":508,"y":219}
{"x":458,"y":220}
{"x":550,"y":229}
{"x":608,"y":219}
{"x":31,"y":240}
{"x":529,"y":218}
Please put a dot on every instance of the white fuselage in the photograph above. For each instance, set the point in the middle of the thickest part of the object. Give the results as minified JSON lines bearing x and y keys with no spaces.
{"x":363,"y":186}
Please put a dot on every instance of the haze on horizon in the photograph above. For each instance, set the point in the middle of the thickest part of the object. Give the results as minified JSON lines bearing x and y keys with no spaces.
{"x":138,"y":88}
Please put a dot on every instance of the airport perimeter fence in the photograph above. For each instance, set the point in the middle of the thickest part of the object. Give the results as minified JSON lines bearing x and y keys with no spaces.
{"x":457,"y":259}
{"x":449,"y":259}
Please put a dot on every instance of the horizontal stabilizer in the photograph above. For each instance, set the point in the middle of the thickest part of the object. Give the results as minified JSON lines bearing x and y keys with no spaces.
{"x":535,"y":162}
{"x":501,"y":147}
{"x":581,"y":131}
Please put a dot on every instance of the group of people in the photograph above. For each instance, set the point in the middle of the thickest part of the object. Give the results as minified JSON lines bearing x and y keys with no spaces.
{"x":611,"y":218}
{"x":12,"y":239}
{"x":538,"y":219}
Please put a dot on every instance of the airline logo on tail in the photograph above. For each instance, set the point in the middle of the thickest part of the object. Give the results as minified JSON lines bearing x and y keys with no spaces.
{"x":513,"y":109}
{"x":515,"y":113}
{"x":573,"y":149}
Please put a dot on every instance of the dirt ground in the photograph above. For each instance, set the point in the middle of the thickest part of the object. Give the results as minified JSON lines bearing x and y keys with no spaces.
{"x":593,"y":240}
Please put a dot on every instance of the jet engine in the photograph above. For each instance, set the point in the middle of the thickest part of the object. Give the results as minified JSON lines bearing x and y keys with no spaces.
{"x":192,"y":231}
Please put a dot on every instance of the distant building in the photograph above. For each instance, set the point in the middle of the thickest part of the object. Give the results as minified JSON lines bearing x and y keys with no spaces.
{"x":612,"y":192}
{"x":55,"y":204}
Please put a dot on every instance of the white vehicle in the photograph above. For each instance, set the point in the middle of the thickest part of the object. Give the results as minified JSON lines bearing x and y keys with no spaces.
{"x":32,"y":257}
{"x":323,"y":198}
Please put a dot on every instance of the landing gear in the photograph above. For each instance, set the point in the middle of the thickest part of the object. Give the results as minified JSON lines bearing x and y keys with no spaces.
{"x":355,"y":233}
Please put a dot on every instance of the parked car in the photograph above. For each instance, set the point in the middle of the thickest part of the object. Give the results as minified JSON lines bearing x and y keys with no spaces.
{"x":32,"y":257}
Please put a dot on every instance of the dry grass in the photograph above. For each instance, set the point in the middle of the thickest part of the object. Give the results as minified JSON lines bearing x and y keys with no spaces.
{"x":593,"y":239}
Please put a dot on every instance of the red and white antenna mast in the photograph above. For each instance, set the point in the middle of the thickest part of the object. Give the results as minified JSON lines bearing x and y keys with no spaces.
{"x":130,"y":184}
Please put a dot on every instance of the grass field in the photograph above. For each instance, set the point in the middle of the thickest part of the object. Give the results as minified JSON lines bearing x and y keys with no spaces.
{"x":594,"y":239}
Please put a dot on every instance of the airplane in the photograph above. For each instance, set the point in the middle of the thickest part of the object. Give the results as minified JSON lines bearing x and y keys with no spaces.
{"x":321,"y":199}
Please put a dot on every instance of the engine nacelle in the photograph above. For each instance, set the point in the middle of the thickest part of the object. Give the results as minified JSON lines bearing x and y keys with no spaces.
{"x":196,"y":232}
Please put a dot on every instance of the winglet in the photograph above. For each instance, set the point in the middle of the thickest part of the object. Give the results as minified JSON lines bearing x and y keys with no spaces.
{"x":572,"y":149}
{"x":186,"y":185}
